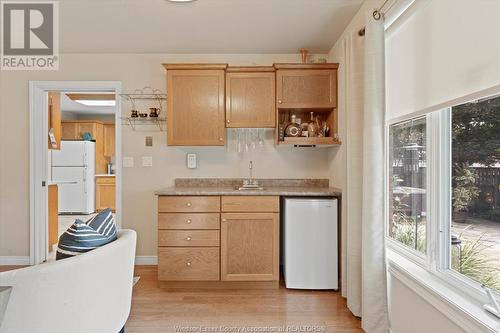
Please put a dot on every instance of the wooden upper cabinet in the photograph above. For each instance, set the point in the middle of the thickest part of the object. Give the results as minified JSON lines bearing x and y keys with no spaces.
{"x":109,"y":140}
{"x":55,"y":119}
{"x":196,"y":105}
{"x":306,"y":86}
{"x":70,"y":130}
{"x":250,"y":97}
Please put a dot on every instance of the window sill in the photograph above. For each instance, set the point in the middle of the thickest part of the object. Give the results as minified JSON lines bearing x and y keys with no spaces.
{"x":462,"y":310}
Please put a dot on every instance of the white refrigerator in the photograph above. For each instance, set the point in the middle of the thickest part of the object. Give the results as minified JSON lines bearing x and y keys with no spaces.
{"x":310,"y":248}
{"x":73,"y":169}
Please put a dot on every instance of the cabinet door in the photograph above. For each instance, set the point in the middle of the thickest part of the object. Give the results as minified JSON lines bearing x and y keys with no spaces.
{"x":109,"y":140}
{"x":250,"y":246}
{"x":306,"y":89}
{"x":89,"y":127}
{"x":250,"y":99}
{"x":105,"y":196}
{"x":195,"y":107}
{"x":55,"y":119}
{"x":69,"y":131}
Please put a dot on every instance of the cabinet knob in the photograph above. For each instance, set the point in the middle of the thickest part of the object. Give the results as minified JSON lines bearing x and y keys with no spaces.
{"x":224,"y":220}
{"x":188,"y":221}
{"x":188,"y":264}
{"x":228,"y":121}
{"x":188,"y":204}
{"x":221,"y":139}
{"x":280,"y":101}
{"x":188,"y":238}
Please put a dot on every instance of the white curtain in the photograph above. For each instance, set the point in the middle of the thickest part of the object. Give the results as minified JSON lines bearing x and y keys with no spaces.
{"x":365,"y":265}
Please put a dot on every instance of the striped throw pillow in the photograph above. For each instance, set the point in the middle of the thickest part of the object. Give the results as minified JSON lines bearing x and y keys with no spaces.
{"x":82,"y":236}
{"x":104,"y":223}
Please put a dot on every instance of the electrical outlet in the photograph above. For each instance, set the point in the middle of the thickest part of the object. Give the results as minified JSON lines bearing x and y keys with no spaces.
{"x":148,"y":141}
{"x":191,"y":161}
{"x":147,"y":161}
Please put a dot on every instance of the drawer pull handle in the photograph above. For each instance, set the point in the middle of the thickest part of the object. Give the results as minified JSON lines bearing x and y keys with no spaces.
{"x":188,"y":264}
{"x":188,"y":238}
{"x":188,"y":221}
{"x":188,"y":204}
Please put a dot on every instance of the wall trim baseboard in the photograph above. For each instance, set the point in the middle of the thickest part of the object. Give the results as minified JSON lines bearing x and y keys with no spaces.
{"x":146,"y":260}
{"x":14,"y":260}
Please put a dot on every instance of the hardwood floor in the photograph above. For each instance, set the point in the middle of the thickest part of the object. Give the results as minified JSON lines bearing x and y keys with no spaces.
{"x":158,"y":310}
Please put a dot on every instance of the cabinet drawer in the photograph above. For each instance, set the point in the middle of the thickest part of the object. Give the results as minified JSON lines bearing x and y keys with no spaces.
{"x":187,"y":204}
{"x":191,"y":263}
{"x":250,"y":204}
{"x":105,"y":180}
{"x":188,"y":221}
{"x":188,"y":238}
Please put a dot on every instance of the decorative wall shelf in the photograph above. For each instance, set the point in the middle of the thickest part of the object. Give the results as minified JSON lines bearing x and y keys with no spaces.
{"x":143,"y":99}
{"x":160,"y":122}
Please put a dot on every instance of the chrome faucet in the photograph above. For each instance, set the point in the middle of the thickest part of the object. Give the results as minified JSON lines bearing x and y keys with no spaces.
{"x":250,"y":183}
{"x":250,"y":169}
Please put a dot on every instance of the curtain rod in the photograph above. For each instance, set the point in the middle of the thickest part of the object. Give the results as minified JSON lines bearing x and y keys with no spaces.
{"x":378,"y":14}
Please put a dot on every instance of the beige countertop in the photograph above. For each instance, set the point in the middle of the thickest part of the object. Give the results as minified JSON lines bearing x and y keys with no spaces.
{"x":281,"y":187}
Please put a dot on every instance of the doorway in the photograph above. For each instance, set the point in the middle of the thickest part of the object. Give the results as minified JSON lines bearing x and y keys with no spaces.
{"x":78,"y":172}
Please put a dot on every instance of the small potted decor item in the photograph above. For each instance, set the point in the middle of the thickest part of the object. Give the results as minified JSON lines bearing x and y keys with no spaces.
{"x":134,"y":114}
{"x":154,"y":112}
{"x":143,"y":114}
{"x":304,"y":54}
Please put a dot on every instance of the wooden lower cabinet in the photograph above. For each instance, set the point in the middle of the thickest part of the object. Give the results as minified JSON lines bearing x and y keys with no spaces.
{"x":53,"y":216}
{"x":105,"y":193}
{"x":199,"y":242}
{"x":250,"y":247}
{"x":188,"y":263}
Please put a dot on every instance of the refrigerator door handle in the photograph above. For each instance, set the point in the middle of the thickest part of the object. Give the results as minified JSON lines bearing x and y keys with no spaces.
{"x":85,"y":180}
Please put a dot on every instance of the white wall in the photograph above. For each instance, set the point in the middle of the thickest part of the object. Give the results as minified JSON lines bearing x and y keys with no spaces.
{"x":139,"y":205}
{"x":441,"y":51}
{"x":410,"y":313}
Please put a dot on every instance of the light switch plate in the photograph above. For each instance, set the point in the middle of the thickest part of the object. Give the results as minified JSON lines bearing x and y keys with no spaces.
{"x":147,"y":161}
{"x":191,"y":161}
{"x":128,"y":162}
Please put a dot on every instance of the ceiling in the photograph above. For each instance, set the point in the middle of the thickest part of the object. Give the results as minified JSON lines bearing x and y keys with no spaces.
{"x":202,"y":26}
{"x":78,"y":109}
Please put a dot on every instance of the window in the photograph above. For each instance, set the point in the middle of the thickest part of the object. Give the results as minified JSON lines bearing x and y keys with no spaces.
{"x":444,"y":194}
{"x":407,"y":183}
{"x":475,"y":179}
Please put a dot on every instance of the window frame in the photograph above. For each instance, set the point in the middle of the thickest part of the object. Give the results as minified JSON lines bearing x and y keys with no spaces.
{"x":437,"y":258}
{"x":417,"y":257}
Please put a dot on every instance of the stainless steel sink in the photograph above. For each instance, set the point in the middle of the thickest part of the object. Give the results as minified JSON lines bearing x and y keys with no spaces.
{"x":249,"y":187}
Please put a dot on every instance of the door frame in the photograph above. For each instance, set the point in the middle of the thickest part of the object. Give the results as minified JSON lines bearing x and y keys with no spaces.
{"x":38,"y":156}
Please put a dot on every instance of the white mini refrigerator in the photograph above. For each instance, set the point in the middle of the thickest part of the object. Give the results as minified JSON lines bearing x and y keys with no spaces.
{"x":310,"y":237}
{"x":73,"y":170}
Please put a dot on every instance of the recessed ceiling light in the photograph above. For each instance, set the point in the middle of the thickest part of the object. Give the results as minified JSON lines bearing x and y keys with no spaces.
{"x":90,"y":102}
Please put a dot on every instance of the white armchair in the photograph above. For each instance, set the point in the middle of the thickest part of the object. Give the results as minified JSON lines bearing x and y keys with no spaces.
{"x":91,"y":292}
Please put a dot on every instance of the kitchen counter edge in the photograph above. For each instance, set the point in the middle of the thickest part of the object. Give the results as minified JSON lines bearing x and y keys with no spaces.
{"x":279,"y":191}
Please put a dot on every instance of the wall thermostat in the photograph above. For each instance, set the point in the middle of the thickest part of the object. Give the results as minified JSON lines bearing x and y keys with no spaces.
{"x":191,"y":161}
